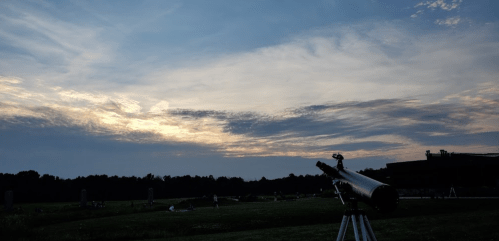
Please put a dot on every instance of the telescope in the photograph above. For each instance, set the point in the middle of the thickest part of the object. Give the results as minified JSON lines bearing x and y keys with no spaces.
{"x":357,"y":187}
{"x":378,"y":195}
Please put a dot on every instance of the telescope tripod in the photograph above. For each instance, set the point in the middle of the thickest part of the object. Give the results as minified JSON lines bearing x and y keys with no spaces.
{"x":354,"y":213}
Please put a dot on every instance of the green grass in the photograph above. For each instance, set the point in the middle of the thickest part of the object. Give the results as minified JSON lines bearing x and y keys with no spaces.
{"x":304,"y":219}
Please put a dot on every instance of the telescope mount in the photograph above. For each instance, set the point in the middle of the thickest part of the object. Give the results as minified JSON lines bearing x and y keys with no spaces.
{"x":352,"y":212}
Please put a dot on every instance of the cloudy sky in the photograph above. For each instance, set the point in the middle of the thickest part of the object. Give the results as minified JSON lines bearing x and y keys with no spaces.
{"x":247,"y":88}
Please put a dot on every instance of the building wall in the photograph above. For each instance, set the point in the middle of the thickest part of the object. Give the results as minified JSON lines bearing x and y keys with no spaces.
{"x":446,"y":169}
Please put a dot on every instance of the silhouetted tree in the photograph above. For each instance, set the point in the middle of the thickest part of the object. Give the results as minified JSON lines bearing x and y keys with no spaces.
{"x":29,"y":186}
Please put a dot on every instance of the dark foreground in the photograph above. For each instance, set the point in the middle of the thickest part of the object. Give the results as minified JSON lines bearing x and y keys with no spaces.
{"x":304,"y":219}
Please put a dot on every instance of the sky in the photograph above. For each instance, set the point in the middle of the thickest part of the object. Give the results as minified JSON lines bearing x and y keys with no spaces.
{"x":243,"y":88}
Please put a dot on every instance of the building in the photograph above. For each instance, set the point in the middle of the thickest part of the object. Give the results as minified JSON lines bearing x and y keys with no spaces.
{"x":443,"y":169}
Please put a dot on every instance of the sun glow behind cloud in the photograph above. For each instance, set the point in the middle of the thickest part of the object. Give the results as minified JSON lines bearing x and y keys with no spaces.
{"x":473,"y":111}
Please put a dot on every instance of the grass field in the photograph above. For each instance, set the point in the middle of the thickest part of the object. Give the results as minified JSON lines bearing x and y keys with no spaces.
{"x":304,"y":219}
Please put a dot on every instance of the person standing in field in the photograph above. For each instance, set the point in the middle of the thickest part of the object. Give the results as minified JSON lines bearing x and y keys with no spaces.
{"x":215,"y":201}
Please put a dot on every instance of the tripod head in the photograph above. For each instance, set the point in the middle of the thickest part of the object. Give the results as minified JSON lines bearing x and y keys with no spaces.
{"x":345,"y":194}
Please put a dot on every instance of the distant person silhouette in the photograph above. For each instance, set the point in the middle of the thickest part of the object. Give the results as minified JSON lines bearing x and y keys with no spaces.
{"x":215,"y":201}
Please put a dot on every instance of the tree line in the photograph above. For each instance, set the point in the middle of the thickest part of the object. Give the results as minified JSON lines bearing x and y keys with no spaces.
{"x":30,"y":186}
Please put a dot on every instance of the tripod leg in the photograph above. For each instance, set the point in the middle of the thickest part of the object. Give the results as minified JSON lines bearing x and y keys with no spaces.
{"x":343,"y":228}
{"x":369,"y":230}
{"x":362,"y":227}
{"x":354,"y":224}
